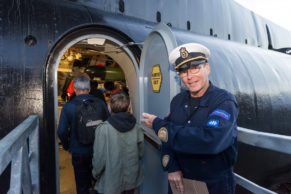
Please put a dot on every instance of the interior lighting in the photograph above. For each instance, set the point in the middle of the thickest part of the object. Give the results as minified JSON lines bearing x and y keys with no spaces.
{"x":96,"y":41}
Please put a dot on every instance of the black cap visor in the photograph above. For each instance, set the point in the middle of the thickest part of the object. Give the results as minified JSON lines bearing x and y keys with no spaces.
{"x":190,"y":64}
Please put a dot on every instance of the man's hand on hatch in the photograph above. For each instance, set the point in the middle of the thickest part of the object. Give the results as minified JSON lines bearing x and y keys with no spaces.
{"x":148,"y":119}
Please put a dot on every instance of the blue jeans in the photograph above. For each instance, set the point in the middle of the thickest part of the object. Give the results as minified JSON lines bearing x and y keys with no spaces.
{"x":82,"y":164}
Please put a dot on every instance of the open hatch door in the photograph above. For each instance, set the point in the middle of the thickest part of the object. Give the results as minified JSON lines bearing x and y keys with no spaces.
{"x":157,"y":87}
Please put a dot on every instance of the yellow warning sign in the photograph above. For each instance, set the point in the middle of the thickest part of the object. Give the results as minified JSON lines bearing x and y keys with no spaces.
{"x":156,"y":78}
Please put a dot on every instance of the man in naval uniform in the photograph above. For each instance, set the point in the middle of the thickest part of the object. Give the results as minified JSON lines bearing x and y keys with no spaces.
{"x":199,"y":136}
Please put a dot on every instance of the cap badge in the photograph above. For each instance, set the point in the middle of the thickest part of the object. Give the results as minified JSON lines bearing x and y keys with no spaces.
{"x":165,"y":160}
{"x":183,"y":52}
{"x":163,"y":134}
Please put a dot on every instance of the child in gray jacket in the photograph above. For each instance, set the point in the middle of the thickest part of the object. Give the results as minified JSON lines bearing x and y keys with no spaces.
{"x":118,"y":150}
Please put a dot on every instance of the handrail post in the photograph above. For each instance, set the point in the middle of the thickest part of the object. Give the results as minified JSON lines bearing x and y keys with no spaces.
{"x":26,"y":176}
{"x":16,"y":173}
{"x":34,"y":158}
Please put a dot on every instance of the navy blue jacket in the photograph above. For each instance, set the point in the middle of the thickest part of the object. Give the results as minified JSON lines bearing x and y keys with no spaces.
{"x":202,"y":144}
{"x":66,"y":127}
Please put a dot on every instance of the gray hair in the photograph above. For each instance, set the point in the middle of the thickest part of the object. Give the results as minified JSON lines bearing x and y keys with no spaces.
{"x":81,"y":83}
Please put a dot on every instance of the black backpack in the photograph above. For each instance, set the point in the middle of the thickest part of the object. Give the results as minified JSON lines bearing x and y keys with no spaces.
{"x":89,"y":114}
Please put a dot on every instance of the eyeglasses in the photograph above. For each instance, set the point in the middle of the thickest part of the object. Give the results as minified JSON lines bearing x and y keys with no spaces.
{"x":192,"y":70}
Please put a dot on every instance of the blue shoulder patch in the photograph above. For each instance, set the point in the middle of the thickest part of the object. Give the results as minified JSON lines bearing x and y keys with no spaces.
{"x":212,"y":123}
{"x":221,"y":113}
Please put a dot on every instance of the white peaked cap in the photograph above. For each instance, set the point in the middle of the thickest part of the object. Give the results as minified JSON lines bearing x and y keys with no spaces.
{"x":188,"y":52}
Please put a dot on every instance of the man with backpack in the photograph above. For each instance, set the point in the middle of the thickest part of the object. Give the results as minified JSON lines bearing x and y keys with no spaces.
{"x":78,"y":121}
